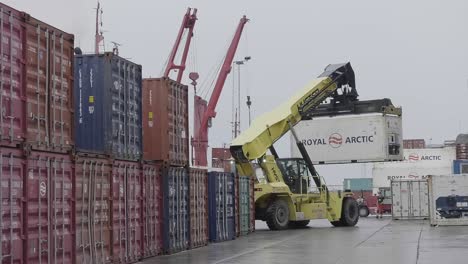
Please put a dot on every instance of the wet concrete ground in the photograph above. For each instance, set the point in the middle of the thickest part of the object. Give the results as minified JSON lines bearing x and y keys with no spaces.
{"x":372,"y":241}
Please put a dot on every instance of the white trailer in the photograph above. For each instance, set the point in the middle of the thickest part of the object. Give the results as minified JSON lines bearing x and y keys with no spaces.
{"x":448,"y":198}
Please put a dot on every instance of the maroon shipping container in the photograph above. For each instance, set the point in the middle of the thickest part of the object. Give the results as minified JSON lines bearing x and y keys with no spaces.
{"x":126,"y":211}
{"x":165,"y":121}
{"x":49,"y":83}
{"x":50,"y":208}
{"x":414,"y":143}
{"x":252,"y":205}
{"x":11,"y":205}
{"x":12,"y":117}
{"x":221,"y":158}
{"x":152,"y":210}
{"x":92,"y":192}
{"x":199,"y":231}
{"x":38,"y":61}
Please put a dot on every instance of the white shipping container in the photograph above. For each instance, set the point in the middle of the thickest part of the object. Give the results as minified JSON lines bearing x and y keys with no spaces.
{"x":410,"y":199}
{"x":346,"y":139}
{"x":384,"y":173}
{"x":448,"y":198}
{"x":435,"y":157}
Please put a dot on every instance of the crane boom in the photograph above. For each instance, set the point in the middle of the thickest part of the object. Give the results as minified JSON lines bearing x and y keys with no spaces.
{"x":264,"y":131}
{"x":187,"y":23}
{"x":200,"y":139}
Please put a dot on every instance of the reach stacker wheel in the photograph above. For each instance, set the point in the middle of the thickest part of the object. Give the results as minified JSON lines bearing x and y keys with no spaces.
{"x":277,"y":215}
{"x":349,"y":213}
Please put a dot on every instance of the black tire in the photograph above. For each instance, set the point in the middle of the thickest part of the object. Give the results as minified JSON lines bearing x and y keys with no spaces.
{"x":337,"y":223}
{"x":299,"y":224}
{"x":277,"y":215}
{"x":363,"y":211}
{"x":349,"y":213}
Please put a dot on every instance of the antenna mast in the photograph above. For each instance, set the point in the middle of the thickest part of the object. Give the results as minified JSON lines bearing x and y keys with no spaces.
{"x":99,"y":37}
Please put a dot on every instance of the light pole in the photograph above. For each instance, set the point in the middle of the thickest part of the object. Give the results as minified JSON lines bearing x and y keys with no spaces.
{"x":239,"y":63}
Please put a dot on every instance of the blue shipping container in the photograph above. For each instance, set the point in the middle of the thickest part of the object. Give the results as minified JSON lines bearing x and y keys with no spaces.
{"x":176,"y":218}
{"x":222,"y":224}
{"x":460,"y":166}
{"x":108,"y":106}
{"x":358,"y":184}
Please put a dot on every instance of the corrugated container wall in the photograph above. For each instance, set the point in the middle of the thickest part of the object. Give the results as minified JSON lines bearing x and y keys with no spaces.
{"x":198,"y":207}
{"x":221,"y":193}
{"x":410,"y":199}
{"x":244,"y":205}
{"x":50,"y":208}
{"x":176,"y":218}
{"x":152,"y":209}
{"x":461,"y":143}
{"x":37,"y":83}
{"x":358,"y":184}
{"x":414,"y":143}
{"x":11,"y":210}
{"x":108,"y":106}
{"x":93,"y":209}
{"x":127,"y":222}
{"x":448,"y":199}
{"x":165,"y":121}
{"x":252,"y":205}
{"x":460,"y":166}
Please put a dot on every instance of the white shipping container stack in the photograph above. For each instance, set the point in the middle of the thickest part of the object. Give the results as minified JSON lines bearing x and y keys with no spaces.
{"x":448,"y":198}
{"x":349,"y":139}
{"x":417,"y":164}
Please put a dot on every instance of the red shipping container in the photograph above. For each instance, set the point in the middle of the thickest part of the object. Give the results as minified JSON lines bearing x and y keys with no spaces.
{"x":152,"y":209}
{"x":12,"y":117}
{"x":11,"y":205}
{"x":50,"y":208}
{"x":126,"y":211}
{"x":198,"y":207}
{"x":165,"y":121}
{"x":37,"y":83}
{"x":92,"y":192}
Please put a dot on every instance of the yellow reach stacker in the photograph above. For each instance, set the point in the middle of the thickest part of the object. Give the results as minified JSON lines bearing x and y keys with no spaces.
{"x":283,"y":197}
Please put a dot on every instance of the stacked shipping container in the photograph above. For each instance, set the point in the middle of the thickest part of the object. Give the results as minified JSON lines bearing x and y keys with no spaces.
{"x":36,"y":137}
{"x":101,"y":203}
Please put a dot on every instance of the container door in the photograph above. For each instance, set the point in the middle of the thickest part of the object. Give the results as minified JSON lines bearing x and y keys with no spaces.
{"x":415,"y":201}
{"x":38,"y":86}
{"x":92,"y":179}
{"x":50,"y":219}
{"x":424,"y":198}
{"x":133,"y":212}
{"x":152,"y":211}
{"x":198,"y":208}
{"x":396,"y":200}
{"x":119,"y":217}
{"x":12,"y":117}
{"x":61,"y":105}
{"x":11,"y":209}
{"x":134,"y":127}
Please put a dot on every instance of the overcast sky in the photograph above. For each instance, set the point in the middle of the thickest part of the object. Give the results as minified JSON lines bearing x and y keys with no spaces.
{"x":414,"y":52}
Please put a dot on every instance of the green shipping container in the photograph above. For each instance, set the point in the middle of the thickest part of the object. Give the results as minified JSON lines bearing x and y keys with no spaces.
{"x":244,"y":205}
{"x":358,"y":184}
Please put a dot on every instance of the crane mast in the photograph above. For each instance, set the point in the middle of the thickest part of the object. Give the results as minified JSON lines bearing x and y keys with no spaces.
{"x":200,"y":139}
{"x":187,"y":23}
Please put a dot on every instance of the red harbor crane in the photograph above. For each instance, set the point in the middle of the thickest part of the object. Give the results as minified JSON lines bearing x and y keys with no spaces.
{"x":188,"y":23}
{"x":204,"y":113}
